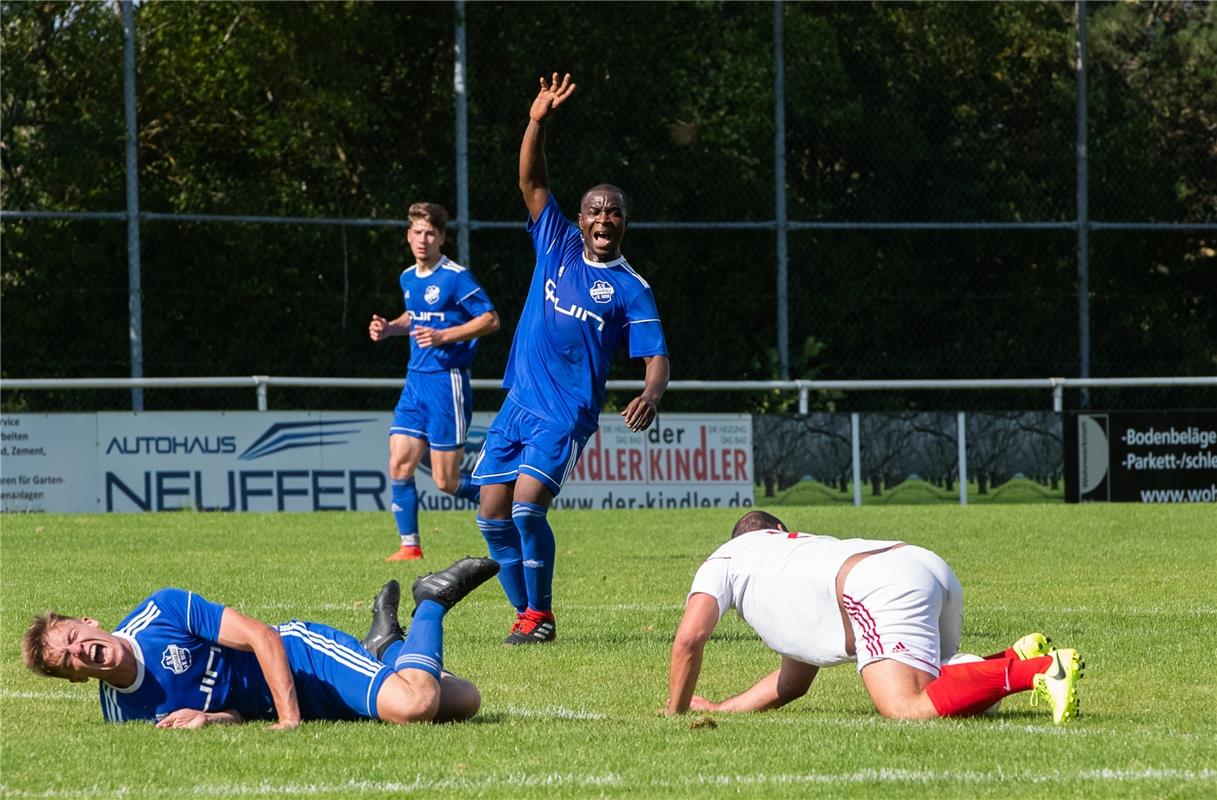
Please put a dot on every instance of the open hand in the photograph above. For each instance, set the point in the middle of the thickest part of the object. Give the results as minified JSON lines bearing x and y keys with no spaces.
{"x":551,"y":95}
{"x":184,"y":718}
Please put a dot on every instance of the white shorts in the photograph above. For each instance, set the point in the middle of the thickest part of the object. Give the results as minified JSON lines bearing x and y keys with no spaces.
{"x":904,"y":604}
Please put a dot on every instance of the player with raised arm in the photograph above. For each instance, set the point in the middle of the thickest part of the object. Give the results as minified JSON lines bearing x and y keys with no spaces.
{"x":893,"y":608}
{"x":446,"y":313}
{"x":584,"y":303}
{"x":182,"y":661}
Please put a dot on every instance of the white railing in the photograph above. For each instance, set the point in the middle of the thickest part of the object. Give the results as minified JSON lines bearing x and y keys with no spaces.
{"x":262,"y":383}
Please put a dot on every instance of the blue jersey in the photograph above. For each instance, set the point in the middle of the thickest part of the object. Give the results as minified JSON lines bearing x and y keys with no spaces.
{"x":180,"y":664}
{"x":577,"y":315}
{"x":447,"y":296}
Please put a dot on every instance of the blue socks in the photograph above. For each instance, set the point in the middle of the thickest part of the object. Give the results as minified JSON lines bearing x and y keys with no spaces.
{"x":503,"y":542}
{"x":467,"y":490}
{"x":405,"y":506}
{"x":538,"y":548}
{"x":424,"y":645}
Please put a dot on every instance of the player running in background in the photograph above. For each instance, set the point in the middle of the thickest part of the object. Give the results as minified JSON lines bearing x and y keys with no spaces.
{"x":446,"y":312}
{"x":584,"y":303}
{"x":895,"y":609}
{"x":184,"y":662}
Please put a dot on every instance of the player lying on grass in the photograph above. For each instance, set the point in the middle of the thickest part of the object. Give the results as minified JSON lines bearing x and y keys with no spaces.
{"x":184,"y":662}
{"x":895,"y":609}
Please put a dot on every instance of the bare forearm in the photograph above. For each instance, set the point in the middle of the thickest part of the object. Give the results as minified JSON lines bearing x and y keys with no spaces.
{"x":475,"y":328}
{"x":682,"y":676}
{"x":655,"y":382}
{"x":534,"y":172}
{"x":399,"y":326}
{"x":762,"y":696}
{"x":272,"y":658}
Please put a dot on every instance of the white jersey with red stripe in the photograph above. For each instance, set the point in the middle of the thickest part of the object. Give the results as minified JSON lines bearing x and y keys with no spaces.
{"x":783,"y":584}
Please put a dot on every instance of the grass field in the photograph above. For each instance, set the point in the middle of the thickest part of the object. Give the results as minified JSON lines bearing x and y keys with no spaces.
{"x":1131,"y":586}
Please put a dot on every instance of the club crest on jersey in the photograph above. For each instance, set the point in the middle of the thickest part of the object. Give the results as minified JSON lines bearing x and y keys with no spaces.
{"x":175,"y":659}
{"x":601,"y":292}
{"x":432,"y":294}
{"x":573,"y":310}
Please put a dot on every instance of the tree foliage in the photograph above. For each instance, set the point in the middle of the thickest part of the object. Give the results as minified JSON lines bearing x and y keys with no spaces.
{"x":895,"y":112}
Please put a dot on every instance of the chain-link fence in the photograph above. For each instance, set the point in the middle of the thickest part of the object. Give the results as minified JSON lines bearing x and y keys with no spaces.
{"x":928,"y":213}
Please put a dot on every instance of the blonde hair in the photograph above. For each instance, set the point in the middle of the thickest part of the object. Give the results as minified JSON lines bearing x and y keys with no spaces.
{"x":33,"y":643}
{"x":432,"y":213}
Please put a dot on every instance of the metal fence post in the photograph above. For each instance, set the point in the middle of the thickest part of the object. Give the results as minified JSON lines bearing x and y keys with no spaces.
{"x":1083,"y":199}
{"x":262,"y":385}
{"x":855,"y":439}
{"x":961,"y":424}
{"x":135,"y":325}
{"x":779,"y":189}
{"x":462,"y":135}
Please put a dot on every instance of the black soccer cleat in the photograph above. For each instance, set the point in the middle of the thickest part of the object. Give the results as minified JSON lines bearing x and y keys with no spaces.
{"x":533,"y":627}
{"x":449,"y":586}
{"x":385,"y":628}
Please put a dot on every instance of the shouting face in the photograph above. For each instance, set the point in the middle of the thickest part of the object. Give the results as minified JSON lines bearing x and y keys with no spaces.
{"x":602,"y":219}
{"x":78,"y":649}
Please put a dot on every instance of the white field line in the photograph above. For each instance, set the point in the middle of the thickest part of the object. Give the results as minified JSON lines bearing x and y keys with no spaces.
{"x":1153,"y":611}
{"x":82,"y":696}
{"x":424,"y":784}
{"x":549,"y":712}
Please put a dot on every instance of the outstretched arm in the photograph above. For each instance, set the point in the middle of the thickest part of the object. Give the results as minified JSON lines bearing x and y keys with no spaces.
{"x":789,"y":682}
{"x":643,"y":409}
{"x":698,"y":622}
{"x":534,"y":175}
{"x":246,"y":633}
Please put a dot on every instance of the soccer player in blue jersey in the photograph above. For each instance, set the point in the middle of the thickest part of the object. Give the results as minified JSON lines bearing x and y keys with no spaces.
{"x":446,"y":313}
{"x":584,"y":303}
{"x":182,"y":661}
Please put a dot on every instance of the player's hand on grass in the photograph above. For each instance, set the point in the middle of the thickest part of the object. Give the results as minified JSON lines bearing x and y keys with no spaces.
{"x":699,"y":703}
{"x":187,"y":718}
{"x":285,"y":725}
{"x":428,"y":337}
{"x":640,"y":413}
{"x":551,"y":95}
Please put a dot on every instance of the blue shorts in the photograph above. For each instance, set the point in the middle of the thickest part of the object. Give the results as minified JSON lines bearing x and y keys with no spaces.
{"x":519,"y":441}
{"x":436,"y":406}
{"x":336,"y":679}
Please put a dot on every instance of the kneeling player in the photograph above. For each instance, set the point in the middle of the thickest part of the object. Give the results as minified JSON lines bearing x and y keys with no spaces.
{"x":895,"y":609}
{"x":185,"y":662}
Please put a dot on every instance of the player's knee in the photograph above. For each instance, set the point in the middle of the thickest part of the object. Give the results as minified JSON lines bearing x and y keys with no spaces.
{"x":448,"y":484}
{"x":913,"y":707}
{"x":459,"y":700}
{"x":405,"y":708}
{"x":400,"y":469}
{"x":406,"y":699}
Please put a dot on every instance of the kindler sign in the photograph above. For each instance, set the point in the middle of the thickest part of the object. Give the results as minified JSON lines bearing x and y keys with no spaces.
{"x":1141,"y":456}
{"x":335,"y":461}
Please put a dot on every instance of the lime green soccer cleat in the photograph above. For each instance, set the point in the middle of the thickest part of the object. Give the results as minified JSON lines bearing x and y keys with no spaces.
{"x":1059,"y":685}
{"x":1033,"y":645}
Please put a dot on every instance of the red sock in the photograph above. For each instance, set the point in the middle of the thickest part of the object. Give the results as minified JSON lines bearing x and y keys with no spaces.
{"x":966,"y":689}
{"x":1007,"y":653}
